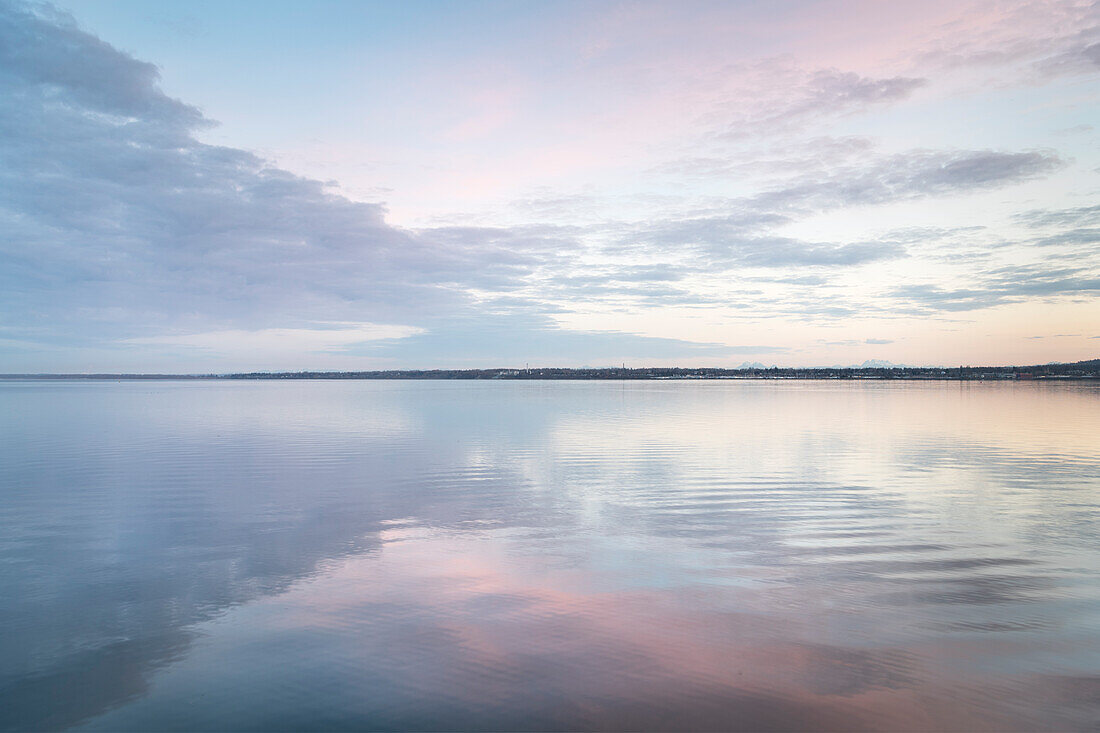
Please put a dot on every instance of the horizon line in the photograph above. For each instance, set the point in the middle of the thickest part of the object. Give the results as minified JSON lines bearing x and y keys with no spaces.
{"x":517,"y":371}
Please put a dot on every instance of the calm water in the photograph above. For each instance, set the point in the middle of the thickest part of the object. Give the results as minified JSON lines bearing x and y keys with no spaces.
{"x":534,"y":555}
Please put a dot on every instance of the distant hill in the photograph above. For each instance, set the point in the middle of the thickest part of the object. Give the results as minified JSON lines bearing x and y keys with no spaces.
{"x":879,"y":364}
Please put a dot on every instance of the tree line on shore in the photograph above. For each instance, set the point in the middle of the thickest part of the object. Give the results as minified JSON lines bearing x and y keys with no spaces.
{"x":1077,"y":370}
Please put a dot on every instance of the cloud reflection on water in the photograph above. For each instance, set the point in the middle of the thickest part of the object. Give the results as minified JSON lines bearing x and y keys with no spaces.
{"x":533,"y":555}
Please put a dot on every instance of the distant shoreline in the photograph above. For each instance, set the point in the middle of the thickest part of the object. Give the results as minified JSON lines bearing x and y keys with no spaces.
{"x":1077,"y":370}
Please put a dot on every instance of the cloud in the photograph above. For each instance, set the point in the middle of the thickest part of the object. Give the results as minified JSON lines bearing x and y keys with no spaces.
{"x":785,"y":158}
{"x":813,"y":280}
{"x":777,"y":96}
{"x":834,"y":180}
{"x":780,"y":252}
{"x":741,"y":234}
{"x":1040,"y":218}
{"x":121,"y":225}
{"x":1081,"y":237}
{"x":998,"y":287}
{"x":122,"y":229}
{"x":723,"y":243}
{"x":1030,"y":42}
{"x":876,"y":342}
{"x":1081,"y":58}
{"x":45,"y":49}
{"x":281,"y":341}
{"x":915,"y":174}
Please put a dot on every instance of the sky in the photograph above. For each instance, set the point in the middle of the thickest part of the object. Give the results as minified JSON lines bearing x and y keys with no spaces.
{"x":216,"y":187}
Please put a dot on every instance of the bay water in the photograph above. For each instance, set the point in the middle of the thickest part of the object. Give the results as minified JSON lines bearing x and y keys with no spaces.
{"x":526,"y":555}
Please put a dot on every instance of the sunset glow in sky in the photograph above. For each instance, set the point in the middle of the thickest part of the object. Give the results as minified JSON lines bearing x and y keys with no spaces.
{"x":211,"y":186}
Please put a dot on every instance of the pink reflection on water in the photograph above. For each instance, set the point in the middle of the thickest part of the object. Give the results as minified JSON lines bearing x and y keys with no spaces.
{"x":520,"y":639}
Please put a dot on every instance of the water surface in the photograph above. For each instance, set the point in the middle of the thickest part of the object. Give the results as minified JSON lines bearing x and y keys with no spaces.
{"x":549,"y":555}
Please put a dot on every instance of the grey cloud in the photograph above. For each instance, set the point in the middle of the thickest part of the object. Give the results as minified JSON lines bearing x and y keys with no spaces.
{"x":47,"y":50}
{"x":627,"y":280}
{"x":724,"y":252}
{"x":626,"y":274}
{"x":968,"y":244}
{"x":121,"y":225}
{"x":1042,"y":42}
{"x":738,"y":232}
{"x":722,"y":242}
{"x":1084,"y":236}
{"x":1039,"y":218}
{"x":571,"y":288}
{"x":649,"y":273}
{"x":817,"y":309}
{"x":909,"y":175}
{"x":935,"y":298}
{"x":1082,"y":58}
{"x":788,"y":158}
{"x":779,"y":252}
{"x":741,"y":239}
{"x":813,"y":280}
{"x":835,"y":89}
{"x":1001,"y":286}
{"x":118,"y":222}
{"x":740,"y":225}
{"x":740,"y":235}
{"x":611,"y":291}
{"x":1023,"y":273}
{"x":806,"y":96}
{"x":1054,"y":286}
{"x":877,"y":342}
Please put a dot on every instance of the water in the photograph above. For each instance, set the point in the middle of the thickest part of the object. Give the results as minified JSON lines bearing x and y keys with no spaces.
{"x":549,"y":555}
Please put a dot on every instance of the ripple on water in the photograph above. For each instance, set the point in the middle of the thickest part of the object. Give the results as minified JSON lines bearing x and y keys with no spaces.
{"x":757,"y":556}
